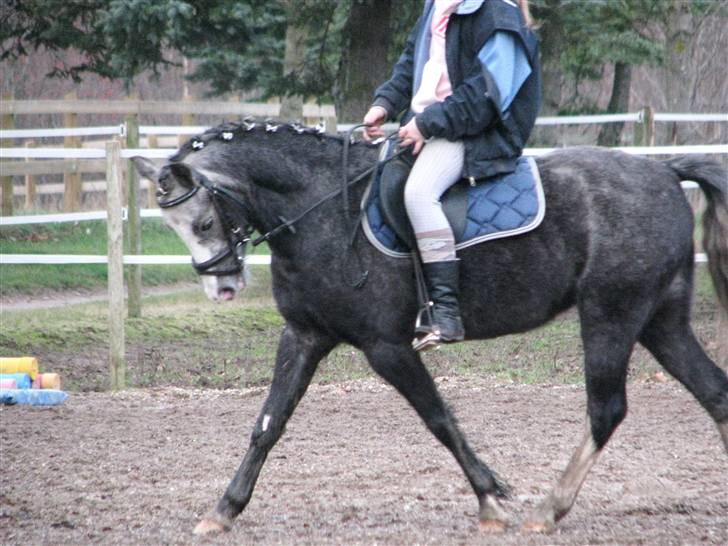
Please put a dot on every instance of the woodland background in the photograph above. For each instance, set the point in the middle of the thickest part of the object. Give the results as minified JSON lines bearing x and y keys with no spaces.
{"x":597,"y":55}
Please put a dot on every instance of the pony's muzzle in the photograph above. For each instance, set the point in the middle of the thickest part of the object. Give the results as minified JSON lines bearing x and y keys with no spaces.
{"x":226,"y":293}
{"x":223,"y":288}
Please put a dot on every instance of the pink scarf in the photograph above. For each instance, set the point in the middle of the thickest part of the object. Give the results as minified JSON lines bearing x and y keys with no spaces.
{"x":435,"y":85}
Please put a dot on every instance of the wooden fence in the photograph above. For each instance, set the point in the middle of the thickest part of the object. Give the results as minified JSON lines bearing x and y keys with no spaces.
{"x":130,"y":113}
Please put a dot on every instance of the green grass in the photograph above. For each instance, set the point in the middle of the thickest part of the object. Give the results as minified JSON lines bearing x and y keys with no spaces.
{"x":185,"y":340}
{"x":81,"y":238}
{"x":84,"y":238}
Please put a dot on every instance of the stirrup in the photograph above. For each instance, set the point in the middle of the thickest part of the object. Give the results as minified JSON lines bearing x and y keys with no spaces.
{"x":427,"y":342}
{"x":421,"y":328}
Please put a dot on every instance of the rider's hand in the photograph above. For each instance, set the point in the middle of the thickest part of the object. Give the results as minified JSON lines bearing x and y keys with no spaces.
{"x":374,"y":119}
{"x":410,"y":135}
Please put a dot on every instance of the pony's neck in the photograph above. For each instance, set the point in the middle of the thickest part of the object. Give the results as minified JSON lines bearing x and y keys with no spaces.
{"x":285,"y":175}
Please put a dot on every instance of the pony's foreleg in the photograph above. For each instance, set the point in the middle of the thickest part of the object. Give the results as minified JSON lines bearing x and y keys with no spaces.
{"x":402,"y":368}
{"x":299,"y":353}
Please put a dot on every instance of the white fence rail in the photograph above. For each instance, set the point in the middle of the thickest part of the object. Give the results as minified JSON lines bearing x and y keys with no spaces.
{"x":81,"y":153}
{"x":129,"y":259}
{"x":631,"y":117}
{"x":113,"y":130}
{"x":163,"y":153}
{"x":691,"y":117}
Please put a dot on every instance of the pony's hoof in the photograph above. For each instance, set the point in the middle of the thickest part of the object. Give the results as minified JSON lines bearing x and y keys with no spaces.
{"x":212,"y":525}
{"x":493,"y":526}
{"x":493,"y":519}
{"x":538,"y":526}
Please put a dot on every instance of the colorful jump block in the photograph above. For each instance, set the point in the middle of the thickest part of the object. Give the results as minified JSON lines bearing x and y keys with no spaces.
{"x":22,"y":380}
{"x":22,"y":364}
{"x":32,"y":397}
{"x":21,"y":383}
{"x":8,"y":384}
{"x":47,"y":381}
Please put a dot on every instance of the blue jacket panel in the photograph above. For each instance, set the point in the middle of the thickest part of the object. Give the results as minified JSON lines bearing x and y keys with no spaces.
{"x":504,"y":57}
{"x":493,"y":139}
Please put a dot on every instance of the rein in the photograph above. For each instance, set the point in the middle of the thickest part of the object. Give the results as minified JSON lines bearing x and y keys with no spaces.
{"x":343,"y":190}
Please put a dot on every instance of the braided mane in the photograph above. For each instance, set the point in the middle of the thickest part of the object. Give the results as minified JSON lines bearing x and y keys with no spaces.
{"x":232,"y":131}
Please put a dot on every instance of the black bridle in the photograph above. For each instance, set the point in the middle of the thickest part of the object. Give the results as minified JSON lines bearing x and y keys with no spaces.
{"x":237,"y":234}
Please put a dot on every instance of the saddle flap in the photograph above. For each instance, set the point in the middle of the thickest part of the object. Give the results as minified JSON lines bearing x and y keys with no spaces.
{"x":391,"y":194}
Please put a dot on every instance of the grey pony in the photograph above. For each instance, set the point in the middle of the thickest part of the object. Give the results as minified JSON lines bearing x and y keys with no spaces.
{"x":616,"y":242}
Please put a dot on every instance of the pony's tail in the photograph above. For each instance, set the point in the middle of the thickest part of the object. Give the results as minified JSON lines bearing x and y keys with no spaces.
{"x":713,"y":181}
{"x":523,"y":5}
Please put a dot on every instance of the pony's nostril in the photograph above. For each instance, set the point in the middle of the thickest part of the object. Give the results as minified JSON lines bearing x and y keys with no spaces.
{"x":226,"y":294}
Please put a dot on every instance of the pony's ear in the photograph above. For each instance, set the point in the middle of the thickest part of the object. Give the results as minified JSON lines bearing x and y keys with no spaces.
{"x":146,"y":168}
{"x":183,"y":174}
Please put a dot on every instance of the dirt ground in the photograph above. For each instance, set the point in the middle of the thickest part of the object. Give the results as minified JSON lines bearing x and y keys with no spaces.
{"x":356,"y":466}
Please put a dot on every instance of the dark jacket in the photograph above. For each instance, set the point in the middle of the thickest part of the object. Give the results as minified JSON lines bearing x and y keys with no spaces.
{"x":493,"y":140}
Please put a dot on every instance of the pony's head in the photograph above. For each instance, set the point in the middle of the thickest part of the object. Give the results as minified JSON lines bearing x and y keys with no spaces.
{"x":208,"y":217}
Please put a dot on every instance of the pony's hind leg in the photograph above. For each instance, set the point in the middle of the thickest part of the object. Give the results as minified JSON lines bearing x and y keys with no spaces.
{"x":401,"y":366}
{"x":299,"y":352}
{"x":607,"y":348}
{"x":670,"y":339}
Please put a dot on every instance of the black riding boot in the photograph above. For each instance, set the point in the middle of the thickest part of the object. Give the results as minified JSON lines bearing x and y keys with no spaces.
{"x":443,"y":286}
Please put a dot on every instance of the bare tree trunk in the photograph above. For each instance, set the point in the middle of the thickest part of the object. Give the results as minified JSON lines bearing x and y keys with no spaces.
{"x":553,"y":40}
{"x":363,"y":63}
{"x":610,"y":133}
{"x":292,"y":105}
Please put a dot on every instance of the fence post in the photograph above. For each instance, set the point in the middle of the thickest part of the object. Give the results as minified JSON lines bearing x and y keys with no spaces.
{"x":188,"y":118}
{"x":30,"y":186}
{"x":7,"y":122}
{"x":644,"y":131}
{"x":115,"y":264}
{"x":330,"y":124}
{"x":152,"y":142}
{"x":134,"y":224}
{"x":71,"y":180}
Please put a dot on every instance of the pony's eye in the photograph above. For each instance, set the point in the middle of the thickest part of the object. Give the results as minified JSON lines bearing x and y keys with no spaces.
{"x":206,"y":225}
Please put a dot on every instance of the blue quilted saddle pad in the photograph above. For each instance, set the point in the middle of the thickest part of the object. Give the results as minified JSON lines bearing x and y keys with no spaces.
{"x":502,"y":206}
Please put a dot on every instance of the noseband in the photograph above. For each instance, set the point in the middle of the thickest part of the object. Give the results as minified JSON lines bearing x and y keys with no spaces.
{"x":237,"y":234}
